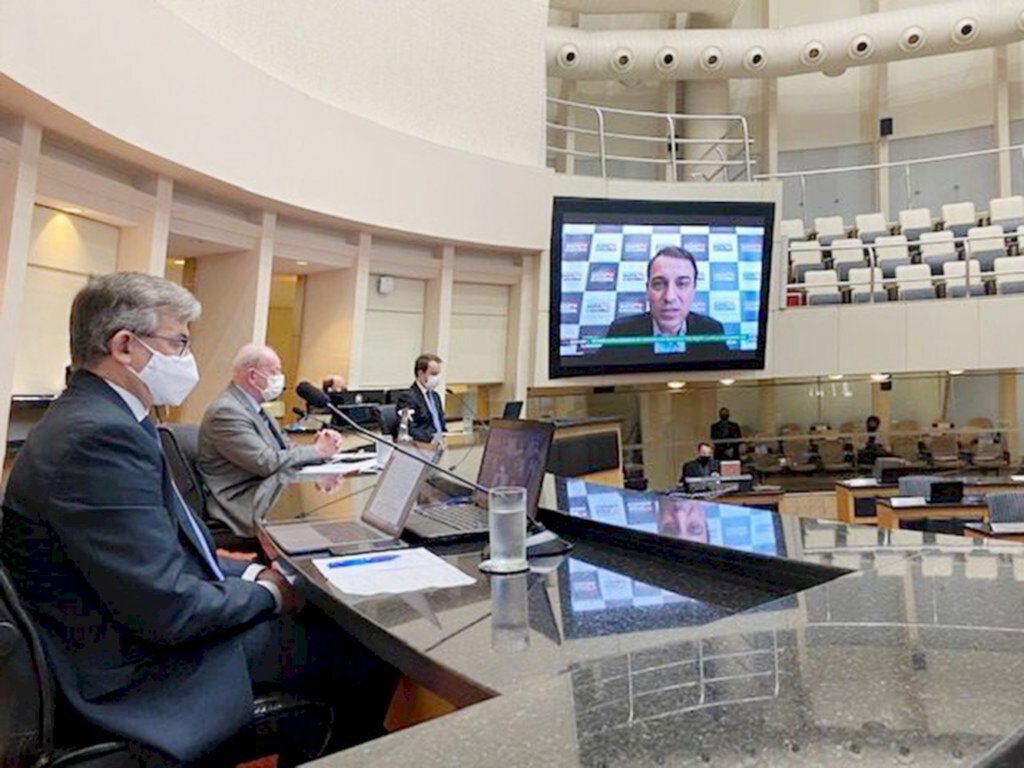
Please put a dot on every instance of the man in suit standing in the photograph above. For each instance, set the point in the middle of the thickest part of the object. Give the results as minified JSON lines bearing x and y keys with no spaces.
{"x":726,"y":435}
{"x":149,"y":634}
{"x":240,"y":445}
{"x":704,"y":465}
{"x":671,"y":284}
{"x":427,"y":421}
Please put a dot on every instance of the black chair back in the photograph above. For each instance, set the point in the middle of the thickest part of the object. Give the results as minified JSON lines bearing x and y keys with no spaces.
{"x":26,"y":689}
{"x":388,"y":417}
{"x":181,"y":447}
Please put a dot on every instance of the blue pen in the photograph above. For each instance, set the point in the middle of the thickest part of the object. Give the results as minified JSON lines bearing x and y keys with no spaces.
{"x":362,"y":561}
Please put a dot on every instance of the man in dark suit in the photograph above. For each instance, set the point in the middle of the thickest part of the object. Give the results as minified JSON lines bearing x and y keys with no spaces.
{"x":704,"y":465}
{"x":149,"y":634}
{"x":427,"y":421}
{"x":671,"y":283}
{"x":240,"y":445}
{"x":726,"y":435}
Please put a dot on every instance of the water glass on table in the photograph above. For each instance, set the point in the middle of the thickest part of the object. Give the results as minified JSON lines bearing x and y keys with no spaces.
{"x":506,"y":521}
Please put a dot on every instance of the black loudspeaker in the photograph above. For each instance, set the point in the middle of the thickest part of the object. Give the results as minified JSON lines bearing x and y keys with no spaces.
{"x":885,"y":126}
{"x":886,"y":386}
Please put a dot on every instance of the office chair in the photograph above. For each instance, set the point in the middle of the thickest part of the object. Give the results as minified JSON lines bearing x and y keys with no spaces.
{"x":387,"y":415}
{"x":294,"y":729}
{"x":1005,"y":507}
{"x":181,"y":447}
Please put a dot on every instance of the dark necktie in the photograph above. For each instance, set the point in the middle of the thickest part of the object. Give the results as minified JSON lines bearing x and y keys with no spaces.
{"x":211,"y":561}
{"x":270,"y":425}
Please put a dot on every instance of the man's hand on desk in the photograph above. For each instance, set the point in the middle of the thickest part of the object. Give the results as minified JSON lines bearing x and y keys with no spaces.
{"x":327,"y":442}
{"x":291,"y":600}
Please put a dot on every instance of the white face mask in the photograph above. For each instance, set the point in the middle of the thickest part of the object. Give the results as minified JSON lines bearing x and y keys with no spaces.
{"x":169,"y":378}
{"x":274,"y":388}
{"x":433,"y":382}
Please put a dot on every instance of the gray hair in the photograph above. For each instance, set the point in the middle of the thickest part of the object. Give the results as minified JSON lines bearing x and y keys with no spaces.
{"x":118,"y":301}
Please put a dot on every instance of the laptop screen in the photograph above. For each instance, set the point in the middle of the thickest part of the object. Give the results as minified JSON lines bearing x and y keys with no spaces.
{"x":388,"y":507}
{"x":513,"y":409}
{"x":516,"y":453}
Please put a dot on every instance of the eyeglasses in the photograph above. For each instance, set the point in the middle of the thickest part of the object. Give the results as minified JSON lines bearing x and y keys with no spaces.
{"x":183,"y":343}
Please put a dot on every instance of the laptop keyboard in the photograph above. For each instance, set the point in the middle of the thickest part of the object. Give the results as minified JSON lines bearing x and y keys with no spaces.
{"x":461,"y":517}
{"x":348,"y":530}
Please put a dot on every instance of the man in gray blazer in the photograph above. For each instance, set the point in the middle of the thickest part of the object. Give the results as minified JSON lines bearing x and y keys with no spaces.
{"x":241,"y":446}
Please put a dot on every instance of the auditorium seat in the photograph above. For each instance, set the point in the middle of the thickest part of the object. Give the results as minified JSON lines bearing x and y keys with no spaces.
{"x":914,"y":281}
{"x":870,"y":226}
{"x":959,"y":217}
{"x":937,"y":248}
{"x":1006,"y":212}
{"x":914,"y":221}
{"x":822,"y":287}
{"x":847,"y":253}
{"x":829,"y":228}
{"x":834,"y":456}
{"x":804,"y":256}
{"x":956,"y":275}
{"x":891,"y":251}
{"x":986,"y":244}
{"x":862,"y":281}
{"x":1009,"y":274}
{"x":793,"y":229}
{"x":945,"y":452}
{"x":907,"y":447}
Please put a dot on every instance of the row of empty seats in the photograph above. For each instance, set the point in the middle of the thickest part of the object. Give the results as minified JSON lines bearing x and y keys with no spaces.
{"x":958,"y":218}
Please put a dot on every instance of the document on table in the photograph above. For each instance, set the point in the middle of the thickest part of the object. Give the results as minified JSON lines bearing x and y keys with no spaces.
{"x":861,"y":482}
{"x":354,"y":456}
{"x":906,"y":502}
{"x":391,"y":573}
{"x":340,"y":468}
{"x":1017,"y":478}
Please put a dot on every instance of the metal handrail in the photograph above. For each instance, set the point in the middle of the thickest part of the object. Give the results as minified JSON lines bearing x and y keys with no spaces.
{"x":674,"y":141}
{"x":907,"y":165}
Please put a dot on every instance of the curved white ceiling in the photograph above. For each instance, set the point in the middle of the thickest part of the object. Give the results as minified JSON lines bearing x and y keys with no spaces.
{"x":830,"y":47}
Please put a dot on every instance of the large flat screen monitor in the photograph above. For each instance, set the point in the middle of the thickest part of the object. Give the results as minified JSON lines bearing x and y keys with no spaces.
{"x":642,"y":285}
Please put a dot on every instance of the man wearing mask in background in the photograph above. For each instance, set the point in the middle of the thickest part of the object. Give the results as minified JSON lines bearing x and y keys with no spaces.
{"x":240,"y":445}
{"x":729,"y":432}
{"x":703,"y":466}
{"x":427,"y":421}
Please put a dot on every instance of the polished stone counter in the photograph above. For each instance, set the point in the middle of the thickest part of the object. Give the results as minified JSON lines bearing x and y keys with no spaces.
{"x":665,"y":639}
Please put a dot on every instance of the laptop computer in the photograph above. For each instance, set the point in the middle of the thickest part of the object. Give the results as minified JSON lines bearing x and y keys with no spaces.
{"x":730,"y":468}
{"x":379,"y":526}
{"x":946,"y":492}
{"x":516,"y":453}
{"x":513,"y":409}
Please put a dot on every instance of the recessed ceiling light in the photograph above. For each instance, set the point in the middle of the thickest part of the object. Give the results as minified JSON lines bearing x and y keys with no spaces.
{"x":178,"y":262}
{"x":676,"y":384}
{"x":880,"y":377}
{"x":728,"y":382}
{"x":835,"y":377}
{"x":302,"y":263}
{"x":956,"y":371}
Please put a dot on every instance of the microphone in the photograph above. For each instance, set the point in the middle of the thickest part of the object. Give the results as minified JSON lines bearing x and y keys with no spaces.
{"x":465,"y":405}
{"x":316,"y":398}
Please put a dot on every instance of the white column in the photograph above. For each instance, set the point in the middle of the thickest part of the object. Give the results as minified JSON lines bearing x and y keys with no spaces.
{"x":17,"y":198}
{"x":882,"y":142}
{"x":143,"y":248}
{"x":437,"y":315}
{"x":1001,"y":82}
{"x":523,"y":318}
{"x":703,"y":97}
{"x":234,"y":289}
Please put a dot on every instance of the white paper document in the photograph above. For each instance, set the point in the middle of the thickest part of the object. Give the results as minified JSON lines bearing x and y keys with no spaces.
{"x":391,"y":573}
{"x":1017,"y":478}
{"x":861,"y":482}
{"x":340,"y":468}
{"x":354,"y":456}
{"x":905,"y":502}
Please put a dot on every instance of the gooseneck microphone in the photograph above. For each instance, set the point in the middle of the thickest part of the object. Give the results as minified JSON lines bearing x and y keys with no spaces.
{"x":465,"y":404}
{"x":315,"y":397}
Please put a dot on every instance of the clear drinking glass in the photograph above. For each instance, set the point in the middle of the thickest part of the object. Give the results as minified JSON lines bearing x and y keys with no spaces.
{"x":506,"y":520}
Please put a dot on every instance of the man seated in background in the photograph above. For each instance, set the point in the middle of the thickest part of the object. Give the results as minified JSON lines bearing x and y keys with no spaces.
{"x":149,"y":635}
{"x":671,"y":284}
{"x":240,"y":445}
{"x":427,"y":421}
{"x":704,"y":465}
{"x":873,"y":448}
{"x":335,"y":383}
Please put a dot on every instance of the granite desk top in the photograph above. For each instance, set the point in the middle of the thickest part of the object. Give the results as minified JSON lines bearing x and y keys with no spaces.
{"x":870,"y":646}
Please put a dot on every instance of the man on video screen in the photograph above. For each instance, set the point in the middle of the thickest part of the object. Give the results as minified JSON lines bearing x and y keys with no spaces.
{"x":671,"y":283}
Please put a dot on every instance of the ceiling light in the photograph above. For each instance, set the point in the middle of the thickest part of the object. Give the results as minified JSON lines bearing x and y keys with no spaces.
{"x":956,"y":371}
{"x":302,"y":263}
{"x":178,"y":262}
{"x":728,"y":382}
{"x":835,"y":377}
{"x":880,"y":377}
{"x":676,"y":384}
